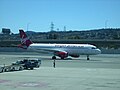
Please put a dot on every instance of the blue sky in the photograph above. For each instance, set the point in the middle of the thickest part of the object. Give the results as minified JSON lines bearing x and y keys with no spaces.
{"x":74,"y":14}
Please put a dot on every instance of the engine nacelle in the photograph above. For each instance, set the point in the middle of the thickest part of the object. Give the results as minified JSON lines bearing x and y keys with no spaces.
{"x":74,"y":55}
{"x":61,"y":54}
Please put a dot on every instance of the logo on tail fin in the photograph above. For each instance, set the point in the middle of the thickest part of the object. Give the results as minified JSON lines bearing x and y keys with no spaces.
{"x":25,"y":41}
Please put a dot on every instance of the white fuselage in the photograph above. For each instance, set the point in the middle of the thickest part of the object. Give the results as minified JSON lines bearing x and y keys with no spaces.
{"x":74,"y":49}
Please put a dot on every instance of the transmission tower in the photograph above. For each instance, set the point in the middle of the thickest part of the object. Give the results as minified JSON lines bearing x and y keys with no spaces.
{"x":52,"y":26}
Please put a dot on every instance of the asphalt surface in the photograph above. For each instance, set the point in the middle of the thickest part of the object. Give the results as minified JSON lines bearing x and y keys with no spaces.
{"x":102,"y":72}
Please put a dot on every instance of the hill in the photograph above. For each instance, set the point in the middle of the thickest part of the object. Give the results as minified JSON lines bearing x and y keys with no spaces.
{"x":100,"y":37}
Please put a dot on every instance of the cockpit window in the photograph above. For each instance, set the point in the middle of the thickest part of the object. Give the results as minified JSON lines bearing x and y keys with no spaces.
{"x":93,"y":47}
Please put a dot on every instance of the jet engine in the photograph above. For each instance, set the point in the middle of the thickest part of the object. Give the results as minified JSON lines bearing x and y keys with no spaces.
{"x":74,"y":55}
{"x":62,"y":55}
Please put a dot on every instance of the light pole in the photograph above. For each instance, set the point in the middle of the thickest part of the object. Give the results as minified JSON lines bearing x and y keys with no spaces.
{"x":106,"y":24}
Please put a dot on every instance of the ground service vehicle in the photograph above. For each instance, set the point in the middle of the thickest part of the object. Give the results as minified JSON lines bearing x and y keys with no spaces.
{"x":21,"y":65}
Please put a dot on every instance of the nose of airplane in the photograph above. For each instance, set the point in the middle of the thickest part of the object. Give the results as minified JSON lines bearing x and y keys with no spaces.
{"x":98,"y":51}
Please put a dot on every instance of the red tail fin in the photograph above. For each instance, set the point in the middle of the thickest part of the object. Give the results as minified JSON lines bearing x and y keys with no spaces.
{"x":25,"y":41}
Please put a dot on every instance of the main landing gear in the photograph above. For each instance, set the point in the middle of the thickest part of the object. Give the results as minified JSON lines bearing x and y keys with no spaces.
{"x":54,"y":57}
{"x":88,"y":57}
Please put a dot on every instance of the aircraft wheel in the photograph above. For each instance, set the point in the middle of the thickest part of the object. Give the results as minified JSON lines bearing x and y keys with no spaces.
{"x":88,"y":58}
{"x":54,"y":57}
{"x":62,"y":57}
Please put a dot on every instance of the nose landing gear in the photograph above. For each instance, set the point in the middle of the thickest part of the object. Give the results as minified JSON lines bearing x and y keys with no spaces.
{"x":88,"y":57}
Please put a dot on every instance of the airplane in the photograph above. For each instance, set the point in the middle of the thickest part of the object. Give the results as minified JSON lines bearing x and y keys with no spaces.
{"x":60,"y":50}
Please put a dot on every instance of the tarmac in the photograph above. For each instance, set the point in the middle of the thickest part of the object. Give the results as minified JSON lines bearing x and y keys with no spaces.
{"x":102,"y":72}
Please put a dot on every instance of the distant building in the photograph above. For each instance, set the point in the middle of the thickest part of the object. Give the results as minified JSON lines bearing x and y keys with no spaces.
{"x":6,"y":31}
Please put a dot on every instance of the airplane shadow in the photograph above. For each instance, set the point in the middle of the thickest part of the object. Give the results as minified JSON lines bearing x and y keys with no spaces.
{"x":47,"y":58}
